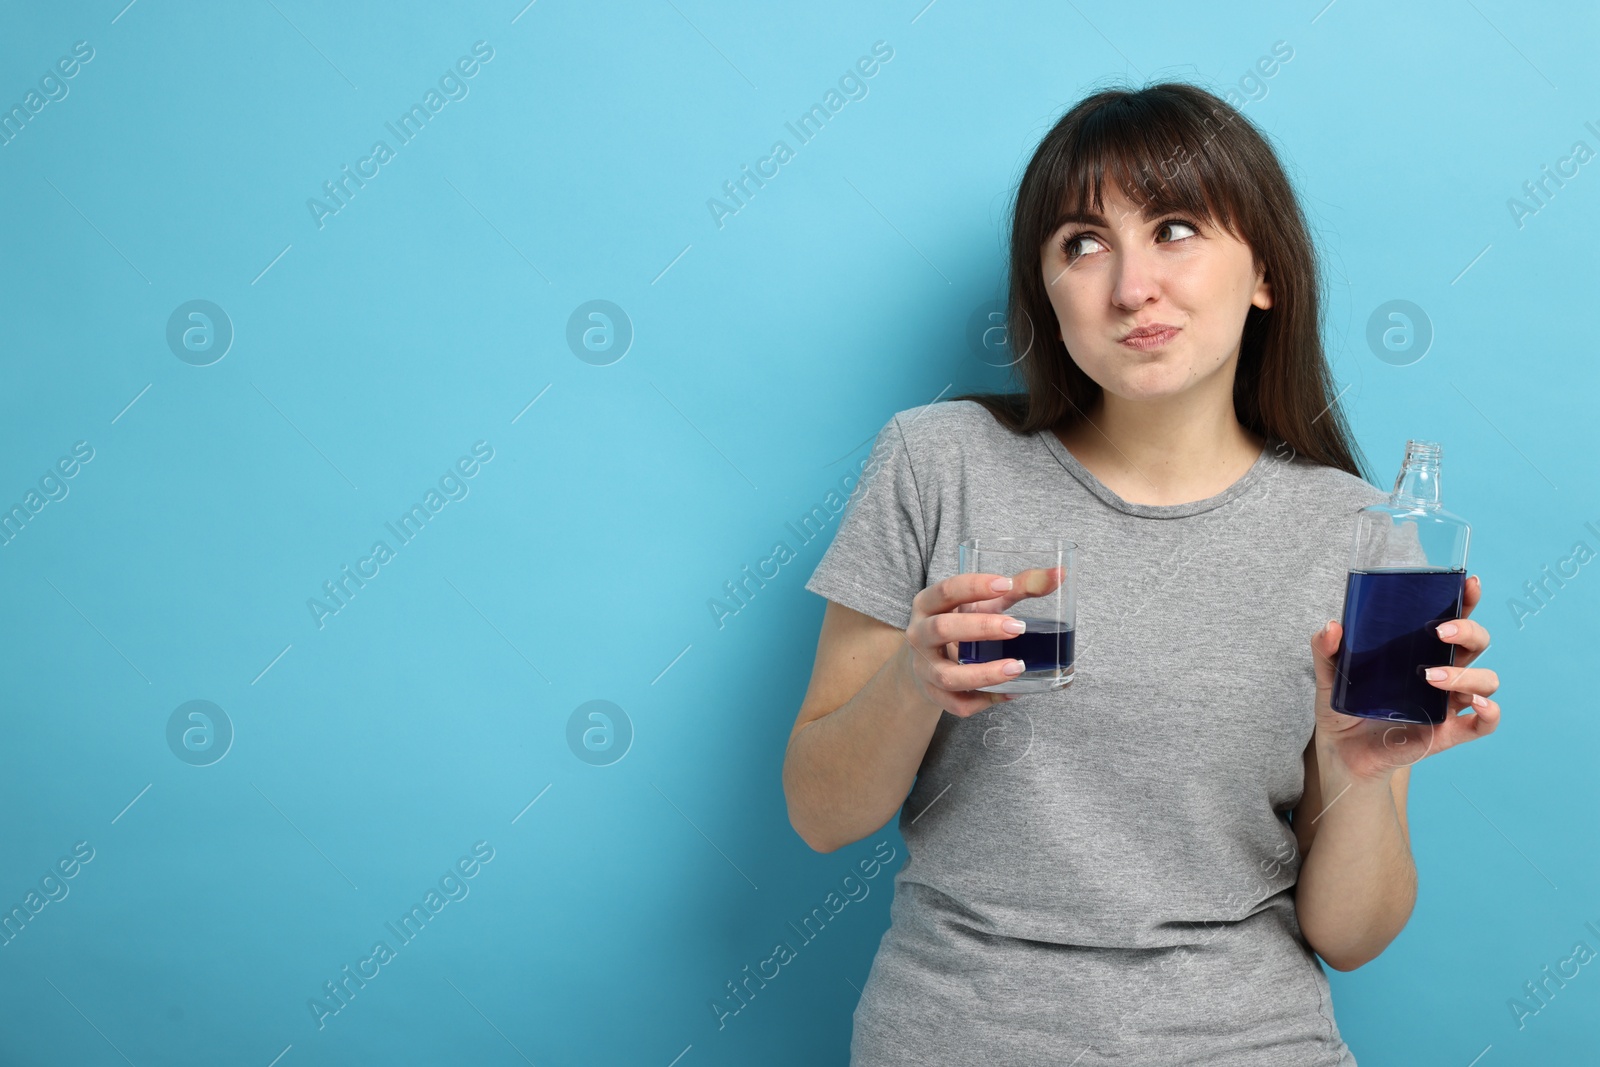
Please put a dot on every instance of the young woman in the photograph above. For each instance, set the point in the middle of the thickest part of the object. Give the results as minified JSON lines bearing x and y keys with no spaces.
{"x":1136,"y":868}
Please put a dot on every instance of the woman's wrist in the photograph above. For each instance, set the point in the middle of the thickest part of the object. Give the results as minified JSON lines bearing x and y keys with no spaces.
{"x":1335,"y":774}
{"x":908,"y":688}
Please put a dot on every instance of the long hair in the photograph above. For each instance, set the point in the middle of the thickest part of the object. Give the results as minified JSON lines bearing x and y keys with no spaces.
{"x":1174,"y":147}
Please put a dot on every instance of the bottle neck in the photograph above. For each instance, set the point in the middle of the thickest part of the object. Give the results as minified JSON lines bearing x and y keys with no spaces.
{"x":1418,"y":483}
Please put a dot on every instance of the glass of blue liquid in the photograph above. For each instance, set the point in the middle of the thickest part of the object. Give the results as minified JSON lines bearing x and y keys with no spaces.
{"x":1043,"y":597}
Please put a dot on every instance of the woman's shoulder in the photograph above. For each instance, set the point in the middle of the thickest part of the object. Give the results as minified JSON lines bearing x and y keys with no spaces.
{"x":1337,"y":490}
{"x":948,"y":424}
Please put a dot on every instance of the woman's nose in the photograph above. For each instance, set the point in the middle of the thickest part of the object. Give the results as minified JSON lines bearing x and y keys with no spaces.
{"x":1135,"y":277}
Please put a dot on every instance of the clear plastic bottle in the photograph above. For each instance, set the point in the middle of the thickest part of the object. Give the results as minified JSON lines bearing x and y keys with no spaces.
{"x":1408,"y":571}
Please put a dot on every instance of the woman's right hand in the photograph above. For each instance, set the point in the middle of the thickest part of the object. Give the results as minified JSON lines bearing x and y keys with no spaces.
{"x":968,"y":607}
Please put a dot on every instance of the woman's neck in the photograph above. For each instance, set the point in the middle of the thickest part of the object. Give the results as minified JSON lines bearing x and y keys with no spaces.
{"x":1150,"y":453}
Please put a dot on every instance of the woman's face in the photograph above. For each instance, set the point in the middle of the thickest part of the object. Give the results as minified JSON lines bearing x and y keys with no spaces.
{"x":1124,"y":272}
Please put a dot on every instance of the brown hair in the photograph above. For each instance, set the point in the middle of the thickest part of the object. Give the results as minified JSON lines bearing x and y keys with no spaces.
{"x":1175,"y":147}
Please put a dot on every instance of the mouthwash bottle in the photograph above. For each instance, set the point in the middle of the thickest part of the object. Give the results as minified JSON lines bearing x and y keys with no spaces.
{"x":1408,"y":570}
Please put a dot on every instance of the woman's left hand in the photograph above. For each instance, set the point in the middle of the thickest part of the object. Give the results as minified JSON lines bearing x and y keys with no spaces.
{"x":1376,"y":748}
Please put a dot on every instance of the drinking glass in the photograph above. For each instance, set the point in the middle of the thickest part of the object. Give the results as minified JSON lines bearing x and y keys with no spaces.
{"x":1043,"y":596}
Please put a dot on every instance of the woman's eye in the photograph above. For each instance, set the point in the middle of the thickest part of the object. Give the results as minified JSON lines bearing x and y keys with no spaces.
{"x":1181,"y":225}
{"x":1068,"y":244}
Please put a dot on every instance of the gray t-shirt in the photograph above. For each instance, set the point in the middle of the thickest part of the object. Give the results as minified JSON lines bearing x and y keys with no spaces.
{"x":1106,"y":871}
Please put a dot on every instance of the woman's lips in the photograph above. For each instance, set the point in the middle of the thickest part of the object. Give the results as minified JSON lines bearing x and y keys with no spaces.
{"x":1152,"y":340}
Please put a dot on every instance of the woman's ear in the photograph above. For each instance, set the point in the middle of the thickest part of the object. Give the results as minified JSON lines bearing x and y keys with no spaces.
{"x":1262,"y":297}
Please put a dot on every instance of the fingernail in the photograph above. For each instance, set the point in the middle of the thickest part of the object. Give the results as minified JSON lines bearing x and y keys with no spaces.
{"x":1480,"y":700}
{"x":1447,"y":629}
{"x":1436,"y":673}
{"x":1013,"y":666}
{"x":1000,"y":585}
{"x":1013,"y":626}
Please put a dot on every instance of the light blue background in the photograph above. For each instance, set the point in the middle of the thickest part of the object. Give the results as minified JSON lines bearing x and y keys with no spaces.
{"x":429,"y":312}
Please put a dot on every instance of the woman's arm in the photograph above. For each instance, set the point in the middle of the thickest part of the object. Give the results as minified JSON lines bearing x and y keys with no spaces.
{"x":860,"y":735}
{"x":1358,"y":884}
{"x":877,"y":694}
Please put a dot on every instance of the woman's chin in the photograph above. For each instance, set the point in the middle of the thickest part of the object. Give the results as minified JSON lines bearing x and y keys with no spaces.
{"x":1149,"y":388}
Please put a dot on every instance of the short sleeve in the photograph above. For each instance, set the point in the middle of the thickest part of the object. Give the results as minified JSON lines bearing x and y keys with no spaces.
{"x":877,"y":561}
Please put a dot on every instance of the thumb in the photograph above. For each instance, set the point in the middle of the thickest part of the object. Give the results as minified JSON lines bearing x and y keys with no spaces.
{"x":1324,"y":645}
